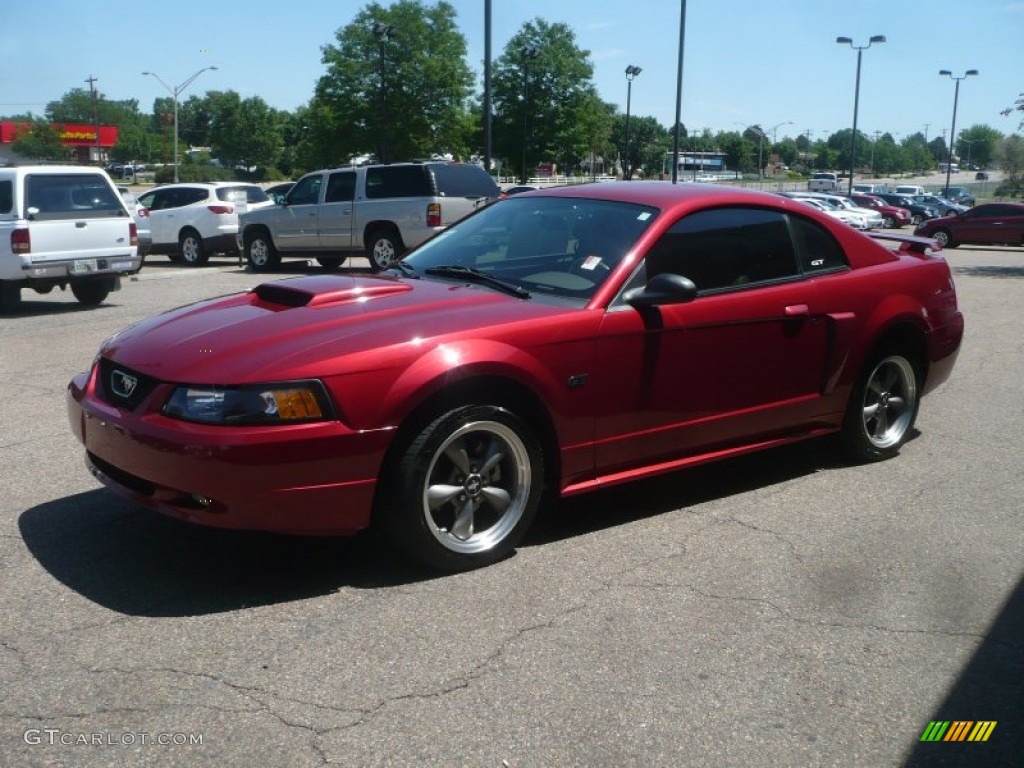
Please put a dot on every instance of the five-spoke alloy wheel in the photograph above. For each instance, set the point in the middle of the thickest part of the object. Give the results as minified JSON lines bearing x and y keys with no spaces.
{"x":882,"y":409}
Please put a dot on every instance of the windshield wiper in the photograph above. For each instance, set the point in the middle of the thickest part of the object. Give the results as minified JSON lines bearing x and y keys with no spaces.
{"x":476,"y":276}
{"x":405,"y":269}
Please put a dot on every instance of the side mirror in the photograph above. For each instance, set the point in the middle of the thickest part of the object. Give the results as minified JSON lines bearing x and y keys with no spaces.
{"x":666,"y":288}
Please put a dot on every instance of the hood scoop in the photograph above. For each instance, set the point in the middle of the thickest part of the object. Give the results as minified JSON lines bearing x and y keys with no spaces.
{"x":327,"y":289}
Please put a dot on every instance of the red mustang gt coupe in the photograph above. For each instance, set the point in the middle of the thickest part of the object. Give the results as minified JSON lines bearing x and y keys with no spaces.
{"x":567,"y":339}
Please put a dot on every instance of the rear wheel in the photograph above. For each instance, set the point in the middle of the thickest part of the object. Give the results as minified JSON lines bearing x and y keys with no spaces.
{"x":383,"y":248}
{"x":330,"y":262}
{"x":944,"y":238}
{"x":260,"y":251}
{"x":882,"y":408}
{"x":92,"y":292}
{"x":190,"y":245}
{"x":10,"y":295}
{"x":464,"y":489}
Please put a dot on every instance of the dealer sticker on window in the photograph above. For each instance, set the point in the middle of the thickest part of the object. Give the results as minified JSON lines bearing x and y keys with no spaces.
{"x":591,"y":262}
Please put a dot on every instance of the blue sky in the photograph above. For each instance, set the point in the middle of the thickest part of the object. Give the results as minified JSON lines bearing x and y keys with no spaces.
{"x":746,"y":61}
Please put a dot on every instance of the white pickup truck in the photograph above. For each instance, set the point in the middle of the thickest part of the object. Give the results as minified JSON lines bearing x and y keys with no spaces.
{"x":63,"y":226}
{"x":823,"y":182}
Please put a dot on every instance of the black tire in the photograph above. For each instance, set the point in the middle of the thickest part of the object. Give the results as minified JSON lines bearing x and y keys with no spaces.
{"x":889,"y":222}
{"x":92,"y":292}
{"x":260,"y":252}
{"x":883,"y":408}
{"x":916,"y":219}
{"x":463,"y":490}
{"x":10,"y":295}
{"x":383,"y":248}
{"x":191,"y":247}
{"x":330,"y":262}
{"x":175,"y":257}
{"x":944,"y":238}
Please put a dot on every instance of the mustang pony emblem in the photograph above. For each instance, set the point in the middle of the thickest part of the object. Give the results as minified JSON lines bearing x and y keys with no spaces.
{"x":123,"y":384}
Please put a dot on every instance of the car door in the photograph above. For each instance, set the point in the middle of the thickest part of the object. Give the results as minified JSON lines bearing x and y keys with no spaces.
{"x":744,"y":362}
{"x":992,"y":223}
{"x":158,"y":201}
{"x":336,"y":213}
{"x":296,"y":226}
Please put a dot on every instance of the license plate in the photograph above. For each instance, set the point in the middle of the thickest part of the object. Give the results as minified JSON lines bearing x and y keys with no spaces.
{"x":84,"y":265}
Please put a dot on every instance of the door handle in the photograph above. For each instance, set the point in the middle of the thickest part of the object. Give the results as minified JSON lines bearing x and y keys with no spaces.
{"x":797,"y":310}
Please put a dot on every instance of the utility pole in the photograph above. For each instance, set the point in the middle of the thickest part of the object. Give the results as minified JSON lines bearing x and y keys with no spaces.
{"x":95,"y":112}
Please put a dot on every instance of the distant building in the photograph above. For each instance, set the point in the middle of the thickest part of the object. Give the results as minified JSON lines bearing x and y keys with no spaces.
{"x":79,"y":137}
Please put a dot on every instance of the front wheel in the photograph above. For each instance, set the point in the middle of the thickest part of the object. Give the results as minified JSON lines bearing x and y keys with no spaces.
{"x":944,"y":238}
{"x":92,"y":292}
{"x":889,"y":222}
{"x":383,"y":248}
{"x":10,"y":295}
{"x":192,"y":249}
{"x":882,"y":409}
{"x":260,"y":252}
{"x":464,"y":489}
{"x":916,"y":219}
{"x":330,"y":262}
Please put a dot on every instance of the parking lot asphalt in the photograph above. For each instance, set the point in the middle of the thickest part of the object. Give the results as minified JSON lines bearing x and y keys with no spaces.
{"x":783,"y":609}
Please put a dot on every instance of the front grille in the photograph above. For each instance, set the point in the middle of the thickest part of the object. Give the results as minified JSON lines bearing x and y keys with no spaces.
{"x":122,"y":386}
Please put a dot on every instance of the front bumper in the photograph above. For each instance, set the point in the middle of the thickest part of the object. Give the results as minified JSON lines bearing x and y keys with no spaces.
{"x":301,"y":479}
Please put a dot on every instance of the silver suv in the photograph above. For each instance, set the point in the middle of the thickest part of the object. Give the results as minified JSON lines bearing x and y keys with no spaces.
{"x":379,"y":211}
{"x":63,"y":226}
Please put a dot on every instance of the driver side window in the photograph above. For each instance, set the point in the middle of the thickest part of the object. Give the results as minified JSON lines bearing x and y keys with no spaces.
{"x":726,"y":248}
{"x":306,"y":191}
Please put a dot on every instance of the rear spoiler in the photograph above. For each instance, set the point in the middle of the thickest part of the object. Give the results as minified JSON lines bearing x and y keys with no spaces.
{"x":910,"y":243}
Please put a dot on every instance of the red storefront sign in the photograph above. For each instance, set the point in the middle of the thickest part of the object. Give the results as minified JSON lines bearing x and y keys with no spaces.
{"x":71,"y":134}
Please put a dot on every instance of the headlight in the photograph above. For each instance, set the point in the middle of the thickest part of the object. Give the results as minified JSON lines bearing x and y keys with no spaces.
{"x":290,"y":402}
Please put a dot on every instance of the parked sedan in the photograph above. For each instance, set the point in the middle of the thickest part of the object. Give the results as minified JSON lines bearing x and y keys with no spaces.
{"x":986,"y":224}
{"x":942,"y":205}
{"x":560,"y":341}
{"x":893,"y":217}
{"x":918,"y":212}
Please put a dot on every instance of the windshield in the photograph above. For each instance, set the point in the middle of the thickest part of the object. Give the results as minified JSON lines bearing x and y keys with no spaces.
{"x":557,"y":246}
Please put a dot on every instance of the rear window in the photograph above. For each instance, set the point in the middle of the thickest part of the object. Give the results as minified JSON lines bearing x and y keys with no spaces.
{"x":463,"y":180}
{"x":64,"y":196}
{"x":397,"y":181}
{"x":253,"y":194}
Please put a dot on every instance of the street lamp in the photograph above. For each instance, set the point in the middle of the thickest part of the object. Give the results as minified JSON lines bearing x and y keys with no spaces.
{"x":383,"y":33}
{"x":631,"y":72}
{"x":528,"y":52}
{"x":174,"y":94}
{"x":775,"y":139}
{"x":856,"y":99}
{"x":952,"y":130}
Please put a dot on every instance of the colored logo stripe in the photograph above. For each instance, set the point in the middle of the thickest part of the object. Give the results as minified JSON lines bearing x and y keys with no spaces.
{"x":982,"y":730}
{"x":958,"y":730}
{"x":935,"y":730}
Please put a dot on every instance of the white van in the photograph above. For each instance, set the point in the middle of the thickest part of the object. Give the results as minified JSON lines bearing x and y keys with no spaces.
{"x":909,"y":190}
{"x":63,"y":226}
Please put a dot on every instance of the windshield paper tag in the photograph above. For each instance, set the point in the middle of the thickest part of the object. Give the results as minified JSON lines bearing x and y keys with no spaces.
{"x":590,"y":262}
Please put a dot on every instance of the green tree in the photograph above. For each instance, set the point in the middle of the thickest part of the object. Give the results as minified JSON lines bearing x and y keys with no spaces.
{"x":546,"y":99}
{"x":1018,"y":106}
{"x":1010,"y":157}
{"x":37,"y":140}
{"x":939,"y":151}
{"x":647,"y":143}
{"x":977,"y":145}
{"x":243,"y":132}
{"x":396,"y":83}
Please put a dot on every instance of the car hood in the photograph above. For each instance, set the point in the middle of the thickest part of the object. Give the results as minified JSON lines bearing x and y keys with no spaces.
{"x":322,"y":326}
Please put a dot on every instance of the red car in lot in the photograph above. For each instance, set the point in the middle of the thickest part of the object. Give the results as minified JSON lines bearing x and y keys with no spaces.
{"x":567,"y":340}
{"x":987,"y":224}
{"x":893,"y":217}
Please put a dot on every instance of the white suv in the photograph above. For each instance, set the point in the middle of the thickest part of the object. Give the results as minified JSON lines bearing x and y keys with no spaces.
{"x":63,"y":226}
{"x":189,"y":221}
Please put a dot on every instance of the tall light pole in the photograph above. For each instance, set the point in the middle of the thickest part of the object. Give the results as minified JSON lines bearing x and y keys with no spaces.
{"x":383,"y":33}
{"x":528,"y":53}
{"x":174,"y":94}
{"x":631,"y":72}
{"x":856,"y":99}
{"x":775,"y":138}
{"x":952,"y":130}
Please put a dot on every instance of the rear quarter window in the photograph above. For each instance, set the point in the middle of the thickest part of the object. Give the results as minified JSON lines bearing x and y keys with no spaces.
{"x":6,"y":196}
{"x":817,"y":251}
{"x":63,"y":196}
{"x":398,"y":181}
{"x":457,"y":180}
